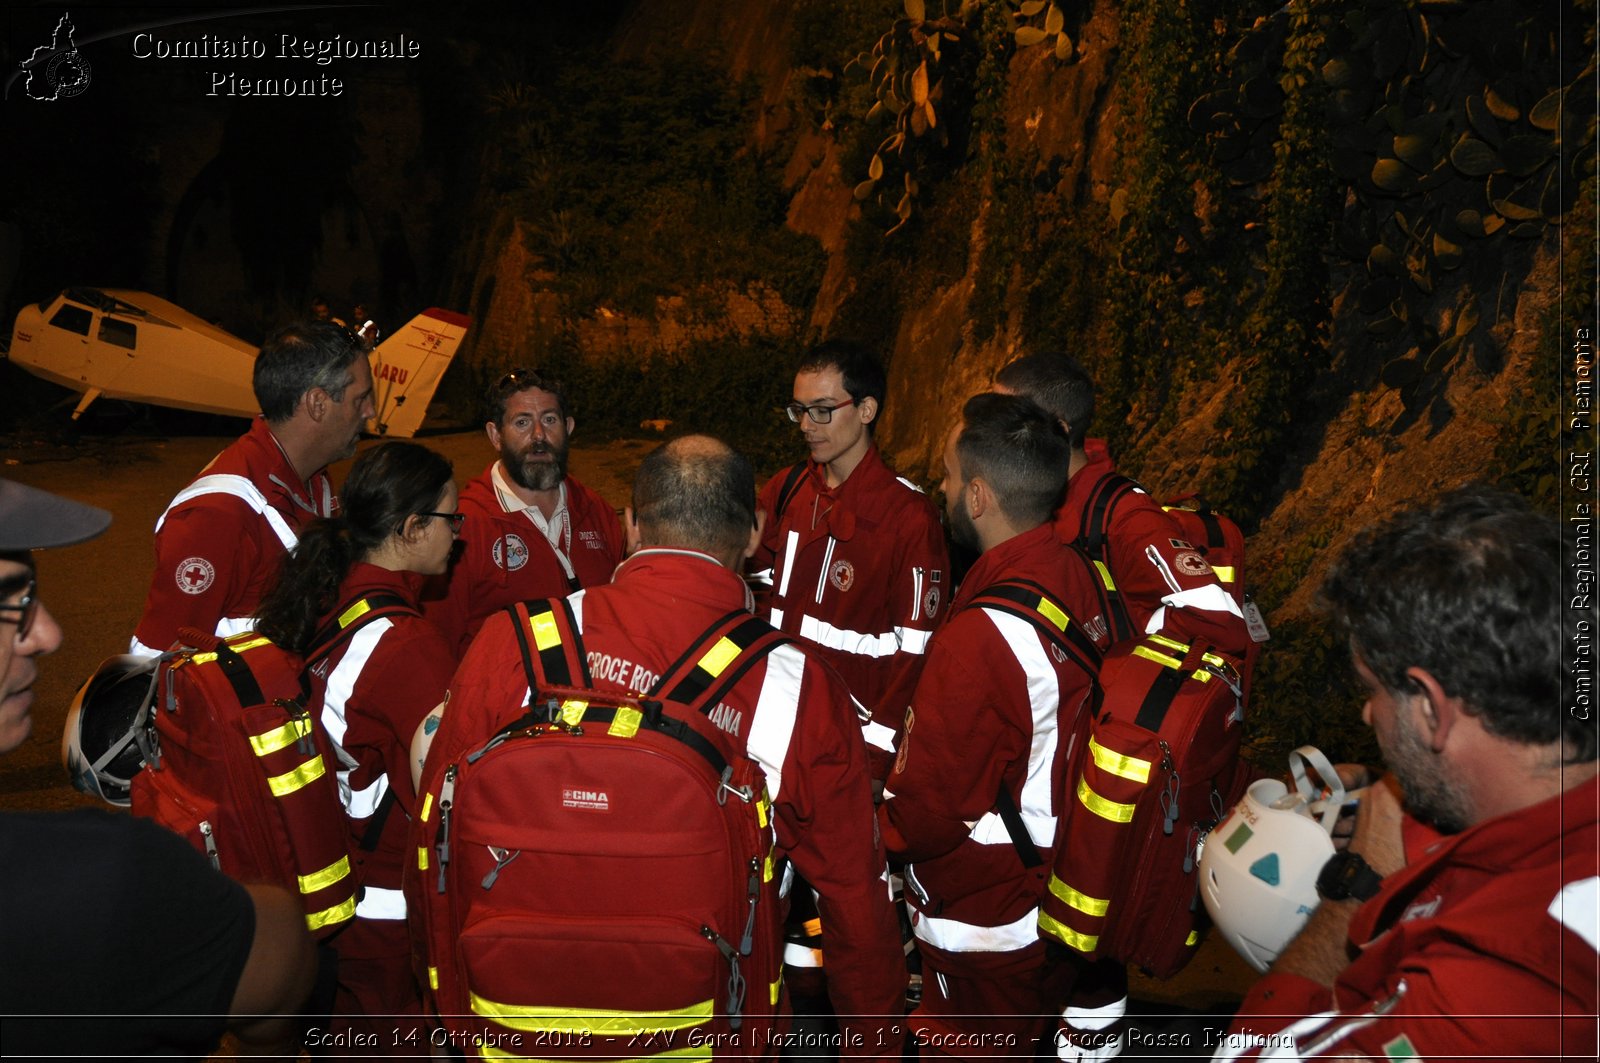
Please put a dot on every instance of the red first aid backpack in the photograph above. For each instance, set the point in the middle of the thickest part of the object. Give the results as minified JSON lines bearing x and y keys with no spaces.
{"x":241,"y":769}
{"x":596,"y":876}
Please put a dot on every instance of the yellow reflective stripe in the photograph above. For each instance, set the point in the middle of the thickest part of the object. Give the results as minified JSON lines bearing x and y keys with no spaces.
{"x":572,"y":712}
{"x":775,"y":988}
{"x":1171,"y":644}
{"x":1119,"y":764}
{"x":538,"y":1018}
{"x":545,"y":632}
{"x":201,"y":658}
{"x":1224,"y":572}
{"x":1068,"y":936}
{"x":1100,"y":806}
{"x":433,"y":978}
{"x":766,"y":868}
{"x":762,"y":805}
{"x":319,"y":880}
{"x":1081,"y":901}
{"x":626,"y":723}
{"x":422,"y":858}
{"x":1053,"y":613}
{"x":1193,"y":938}
{"x":1182,"y":647}
{"x":354,"y":613}
{"x":1105,"y":575}
{"x":328,"y":916}
{"x":719,"y":656}
{"x":427,"y":806}
{"x":281,"y":737}
{"x":1155,"y":655}
{"x":290,"y":781}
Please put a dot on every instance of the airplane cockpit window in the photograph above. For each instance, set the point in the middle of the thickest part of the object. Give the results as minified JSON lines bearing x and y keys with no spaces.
{"x":118,"y":333}
{"x":73,"y":319}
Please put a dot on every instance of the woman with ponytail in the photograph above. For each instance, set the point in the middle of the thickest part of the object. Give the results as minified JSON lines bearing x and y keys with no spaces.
{"x":370,"y":690}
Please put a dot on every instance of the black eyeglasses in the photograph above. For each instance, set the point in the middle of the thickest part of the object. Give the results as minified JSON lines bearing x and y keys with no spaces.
{"x":456,"y":519}
{"x":25,"y":610}
{"x":819,"y":413}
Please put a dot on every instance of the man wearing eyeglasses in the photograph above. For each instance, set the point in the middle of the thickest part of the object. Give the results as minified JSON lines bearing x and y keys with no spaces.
{"x":854,"y":556}
{"x":118,"y":939}
{"x":531,"y":531}
{"x":220,"y":540}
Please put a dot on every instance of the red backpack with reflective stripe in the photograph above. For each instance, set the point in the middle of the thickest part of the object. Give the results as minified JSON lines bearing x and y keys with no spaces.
{"x":596,"y":876}
{"x":1159,"y":770}
{"x":240,"y":768}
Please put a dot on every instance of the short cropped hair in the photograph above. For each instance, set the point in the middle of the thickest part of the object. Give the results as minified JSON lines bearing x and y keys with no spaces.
{"x":695,"y":492}
{"x":515,"y":382}
{"x":299,"y":357}
{"x":1057,"y":383}
{"x":861,"y":373}
{"x":1021,"y":452}
{"x":1469,"y":589}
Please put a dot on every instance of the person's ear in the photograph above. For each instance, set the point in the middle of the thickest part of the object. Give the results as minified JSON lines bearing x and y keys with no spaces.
{"x":492,"y":430}
{"x":570,"y":423}
{"x":317,"y":402}
{"x":979,"y":497}
{"x":630,"y":529}
{"x":755,"y":534}
{"x":1439,"y":713}
{"x":869,"y":409}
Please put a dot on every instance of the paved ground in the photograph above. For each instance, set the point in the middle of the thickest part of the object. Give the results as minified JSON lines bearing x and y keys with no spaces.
{"x":96,"y":591}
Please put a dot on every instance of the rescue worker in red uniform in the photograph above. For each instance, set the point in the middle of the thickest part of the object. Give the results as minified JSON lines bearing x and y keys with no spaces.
{"x":1166,"y":587}
{"x":221,"y":539}
{"x":1477,"y":936}
{"x":854,"y":555}
{"x":370,"y":693}
{"x":534,"y":532}
{"x":692,"y":525}
{"x":999,"y":709}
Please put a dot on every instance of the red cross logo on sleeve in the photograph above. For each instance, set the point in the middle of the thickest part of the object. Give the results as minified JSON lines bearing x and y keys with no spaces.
{"x":195,"y":575}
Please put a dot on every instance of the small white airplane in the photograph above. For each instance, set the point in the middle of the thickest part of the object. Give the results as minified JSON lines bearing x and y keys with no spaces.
{"x":120,"y":344}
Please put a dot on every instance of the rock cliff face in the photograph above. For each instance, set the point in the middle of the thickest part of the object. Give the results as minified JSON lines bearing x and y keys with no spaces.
{"x":1355,"y":459}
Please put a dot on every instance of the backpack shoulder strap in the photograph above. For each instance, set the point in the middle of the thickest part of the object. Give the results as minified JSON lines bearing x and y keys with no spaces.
{"x":552,"y":649}
{"x":718,"y":659}
{"x":352,"y":618}
{"x":1093,"y":540}
{"x":240,"y":487}
{"x":791,"y":484}
{"x":1031,"y":602}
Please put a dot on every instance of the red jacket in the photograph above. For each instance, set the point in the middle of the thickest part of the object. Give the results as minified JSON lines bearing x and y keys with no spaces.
{"x":1492,"y":933}
{"x":371,"y":693}
{"x":216,"y":557}
{"x":503,"y":558}
{"x":1197,"y":607}
{"x":996,"y":706}
{"x":795,"y":719}
{"x":862,"y":571}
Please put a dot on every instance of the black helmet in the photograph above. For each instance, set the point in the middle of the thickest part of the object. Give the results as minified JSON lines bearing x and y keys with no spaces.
{"x":103,"y":746}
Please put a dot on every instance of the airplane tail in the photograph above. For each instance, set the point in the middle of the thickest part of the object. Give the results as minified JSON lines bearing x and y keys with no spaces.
{"x":407,"y":367}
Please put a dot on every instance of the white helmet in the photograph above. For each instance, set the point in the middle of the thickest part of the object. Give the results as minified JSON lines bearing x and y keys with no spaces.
{"x":1259,"y":867}
{"x":104,"y":745}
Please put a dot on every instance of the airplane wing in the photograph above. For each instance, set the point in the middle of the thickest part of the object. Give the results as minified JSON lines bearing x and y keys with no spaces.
{"x":407,"y":366}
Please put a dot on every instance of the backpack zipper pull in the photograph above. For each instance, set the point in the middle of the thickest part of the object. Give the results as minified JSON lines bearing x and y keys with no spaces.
{"x":502,"y":857}
{"x":447,"y":795}
{"x":735,"y":979}
{"x":210,"y":841}
{"x":1169,"y":796}
{"x":747,"y":942}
